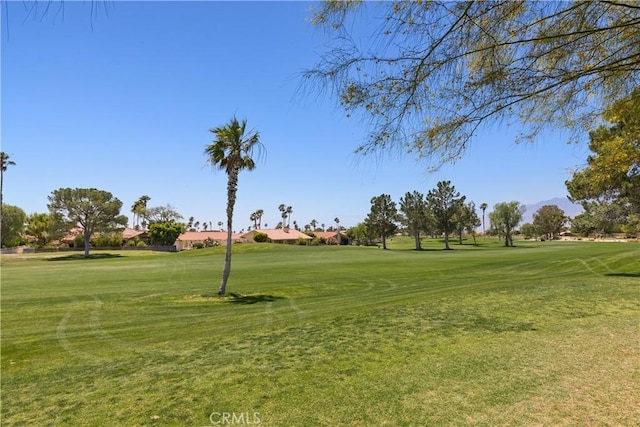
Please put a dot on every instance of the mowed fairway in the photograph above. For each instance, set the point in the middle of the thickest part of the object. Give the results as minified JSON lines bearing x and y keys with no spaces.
{"x":545,"y":333}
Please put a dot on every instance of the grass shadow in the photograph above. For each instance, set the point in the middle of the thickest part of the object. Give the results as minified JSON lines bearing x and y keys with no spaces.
{"x":251,"y":299}
{"x":81,"y":257}
{"x":623,"y":274}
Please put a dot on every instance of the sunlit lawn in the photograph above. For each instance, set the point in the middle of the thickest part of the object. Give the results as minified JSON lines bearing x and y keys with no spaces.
{"x":545,"y":333}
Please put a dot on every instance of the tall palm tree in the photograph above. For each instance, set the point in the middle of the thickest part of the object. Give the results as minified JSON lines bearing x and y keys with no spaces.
{"x":254,"y":217}
{"x":338,"y":238}
{"x":134,"y":209}
{"x":289,"y":212}
{"x":4,"y":163}
{"x":231,"y":151}
{"x":259,"y":214}
{"x":142,"y":207}
{"x":483,"y":207}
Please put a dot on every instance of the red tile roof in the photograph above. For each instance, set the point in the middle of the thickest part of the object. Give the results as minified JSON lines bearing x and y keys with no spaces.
{"x":199,"y":236}
{"x":278,"y":234}
{"x":326,"y":234}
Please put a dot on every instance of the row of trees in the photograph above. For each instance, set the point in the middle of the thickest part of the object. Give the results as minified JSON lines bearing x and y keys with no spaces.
{"x":443,"y":211}
{"x":94,"y":212}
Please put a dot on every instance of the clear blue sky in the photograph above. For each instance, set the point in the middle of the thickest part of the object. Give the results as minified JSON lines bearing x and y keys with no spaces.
{"x":121,"y":97}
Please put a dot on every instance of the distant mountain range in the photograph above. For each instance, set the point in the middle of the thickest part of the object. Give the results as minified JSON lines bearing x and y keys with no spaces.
{"x":570,"y":209}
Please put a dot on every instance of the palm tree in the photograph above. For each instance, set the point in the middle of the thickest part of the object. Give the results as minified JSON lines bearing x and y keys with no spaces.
{"x":259,"y":214}
{"x":313,"y":223}
{"x":232,"y":151}
{"x":254,"y":217}
{"x":4,"y":162}
{"x":483,"y":207}
{"x":283,"y":213}
{"x":289,"y":212}
{"x":142,"y":208}
{"x":338,"y":239}
{"x":134,"y":210}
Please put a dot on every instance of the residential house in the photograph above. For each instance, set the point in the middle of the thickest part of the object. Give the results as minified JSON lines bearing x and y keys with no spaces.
{"x":186,"y":240}
{"x":133,"y":234}
{"x":277,"y":235}
{"x":331,"y":236}
{"x":127,"y":235}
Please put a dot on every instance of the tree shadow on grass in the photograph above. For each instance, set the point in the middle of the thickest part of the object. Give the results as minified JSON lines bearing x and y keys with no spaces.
{"x":251,"y":299}
{"x":81,"y":257}
{"x":623,"y":274}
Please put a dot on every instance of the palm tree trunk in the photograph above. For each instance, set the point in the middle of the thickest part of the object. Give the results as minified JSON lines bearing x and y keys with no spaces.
{"x":232,"y":187}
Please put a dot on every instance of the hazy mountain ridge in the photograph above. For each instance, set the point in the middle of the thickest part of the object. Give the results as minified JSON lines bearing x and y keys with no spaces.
{"x":570,"y":209}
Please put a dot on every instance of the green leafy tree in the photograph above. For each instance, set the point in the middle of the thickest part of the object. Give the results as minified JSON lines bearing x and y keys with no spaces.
{"x":505,"y":218}
{"x":613,"y":170}
{"x":466,"y":220}
{"x":435,"y":72}
{"x":165,"y":233}
{"x":12,"y":227}
{"x":163,"y":214}
{"x":444,"y":201}
{"x":600,"y":218}
{"x":91,"y":209}
{"x":414,"y":207}
{"x":232,"y":151}
{"x":528,"y":230}
{"x":44,"y":228}
{"x":105,"y":240}
{"x":632,"y":226}
{"x":383,"y":217}
{"x":361,"y":234}
{"x":549,"y":220}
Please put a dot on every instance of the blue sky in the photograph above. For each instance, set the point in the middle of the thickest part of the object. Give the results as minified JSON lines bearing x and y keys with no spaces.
{"x":121,"y":97}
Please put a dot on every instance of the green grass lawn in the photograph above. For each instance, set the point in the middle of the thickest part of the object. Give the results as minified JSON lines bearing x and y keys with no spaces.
{"x":546,"y":333}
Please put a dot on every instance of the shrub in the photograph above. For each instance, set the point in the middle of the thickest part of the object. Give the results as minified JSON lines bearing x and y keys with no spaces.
{"x":260,"y":237}
{"x":302,"y":242}
{"x":198,"y":245}
{"x":78,"y":241}
{"x":141,"y":244}
{"x":209,"y":242}
{"x":107,"y":240}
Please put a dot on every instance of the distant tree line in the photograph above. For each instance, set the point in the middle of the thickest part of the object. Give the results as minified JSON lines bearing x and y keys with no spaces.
{"x":441,"y":213}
